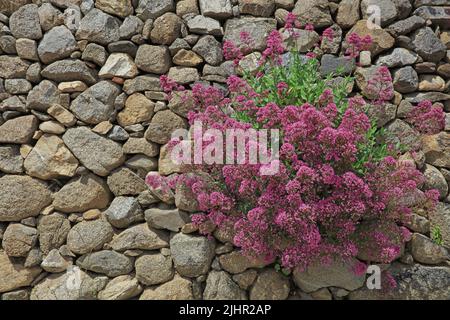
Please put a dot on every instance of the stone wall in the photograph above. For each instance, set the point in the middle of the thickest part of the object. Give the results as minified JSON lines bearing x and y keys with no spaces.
{"x":83,"y":119}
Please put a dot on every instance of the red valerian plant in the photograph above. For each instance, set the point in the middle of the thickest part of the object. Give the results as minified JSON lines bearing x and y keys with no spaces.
{"x":334,"y":176}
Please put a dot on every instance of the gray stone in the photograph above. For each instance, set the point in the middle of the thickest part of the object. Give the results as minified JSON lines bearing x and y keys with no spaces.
{"x":53,"y":230}
{"x":424,"y":250}
{"x":140,"y":237}
{"x":10,"y":159}
{"x":315,"y":12}
{"x":260,"y":8}
{"x":141,"y":146}
{"x":95,"y":53}
{"x":331,"y":64}
{"x":124,"y":211}
{"x":58,"y":43}
{"x":121,"y":8}
{"x":220,"y":286}
{"x":98,"y":154}
{"x":69,"y":70}
{"x":54,"y":262}
{"x":338,"y":274}
{"x":217,"y":9}
{"x":406,"y":26}
{"x":172,"y":220}
{"x":413,"y":283}
{"x":163,"y":124}
{"x":153,"y":59}
{"x":154,"y":269}
{"x":8,"y":44}
{"x":258,"y":28}
{"x":22,"y":197}
{"x":17,"y":86}
{"x":61,"y":286}
{"x":24,"y":23}
{"x":439,"y":16}
{"x":209,"y":49}
{"x":428,"y":45}
{"x":142,"y":83}
{"x":270,"y":285}
{"x":192,"y":255}
{"x":18,"y":240}
{"x":81,"y":194}
{"x":388,"y":10}
{"x":27,"y":49}
{"x":106,"y":262}
{"x":435,"y":180}
{"x":96,"y":104}
{"x":13,"y":103}
{"x":121,"y":288}
{"x":305,"y":41}
{"x":124,"y":182}
{"x":348,"y":13}
{"x":49,"y":16}
{"x":131,"y":25}
{"x":98,"y":27}
{"x":89,"y":236}
{"x":151,"y":9}
{"x":399,"y":57}
{"x":184,"y":75}
{"x":406,"y":80}
{"x":42,"y":96}
{"x":13,"y":67}
{"x":204,"y":25}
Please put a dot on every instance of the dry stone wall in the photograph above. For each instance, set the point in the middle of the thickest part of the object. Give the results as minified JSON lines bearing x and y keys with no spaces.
{"x":83,"y":118}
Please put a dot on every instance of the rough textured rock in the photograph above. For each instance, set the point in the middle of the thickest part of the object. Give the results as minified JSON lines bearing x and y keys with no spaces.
{"x":316,"y":12}
{"x":337,"y":274}
{"x":96,"y":104}
{"x":69,"y":70}
{"x":220,"y":286}
{"x":424,"y":250}
{"x":42,"y":96}
{"x":98,"y":27}
{"x":124,"y":211}
{"x":50,"y":159}
{"x":106,"y":262}
{"x":118,"y":65}
{"x":121,"y":8}
{"x":81,"y":194}
{"x":24,"y":22}
{"x":150,"y":9}
{"x":153,"y":59}
{"x":98,"y":154}
{"x":176,"y":289}
{"x":58,"y":43}
{"x":121,"y":288}
{"x":73,"y":285}
{"x":124,"y":182}
{"x":152,"y":269}
{"x":140,"y":237}
{"x":163,"y":124}
{"x":10,"y":159}
{"x":270,"y":285}
{"x":18,"y":240}
{"x":166,"y":29}
{"x":18,"y":130}
{"x":172,"y":220}
{"x":53,"y":230}
{"x":14,"y":275}
{"x":13,"y":67}
{"x":192,"y":255}
{"x":414,"y":282}
{"x":428,"y":45}
{"x":137,"y":109}
{"x":88,"y":236}
{"x":22,"y":197}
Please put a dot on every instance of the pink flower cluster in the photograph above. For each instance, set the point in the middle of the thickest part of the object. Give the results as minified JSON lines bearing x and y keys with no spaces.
{"x":313,"y":206}
{"x":427,"y":118}
{"x":356,"y":44}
